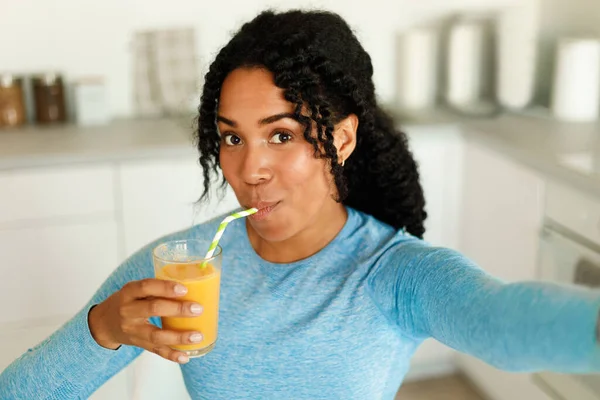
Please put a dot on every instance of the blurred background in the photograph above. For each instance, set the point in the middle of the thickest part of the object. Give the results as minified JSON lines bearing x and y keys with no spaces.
{"x":499,"y":98}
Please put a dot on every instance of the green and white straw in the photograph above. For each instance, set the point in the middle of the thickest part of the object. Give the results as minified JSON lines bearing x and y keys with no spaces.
{"x":227,"y":220}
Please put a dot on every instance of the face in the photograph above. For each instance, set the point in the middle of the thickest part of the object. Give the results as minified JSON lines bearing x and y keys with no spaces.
{"x":267,"y":161}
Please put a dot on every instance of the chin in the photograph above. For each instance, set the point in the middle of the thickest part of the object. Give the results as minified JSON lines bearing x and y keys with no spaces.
{"x":272,"y":231}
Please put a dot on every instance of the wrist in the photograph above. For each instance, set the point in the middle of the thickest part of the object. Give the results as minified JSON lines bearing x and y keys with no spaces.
{"x":98,"y":331}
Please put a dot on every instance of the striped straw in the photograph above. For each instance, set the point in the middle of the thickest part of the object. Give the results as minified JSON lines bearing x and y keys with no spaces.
{"x":215,"y":242}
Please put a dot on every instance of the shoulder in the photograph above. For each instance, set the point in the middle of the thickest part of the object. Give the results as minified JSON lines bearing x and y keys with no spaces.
{"x":366,"y":233}
{"x":408,"y":255}
{"x":410,"y":273}
{"x":388,"y":248}
{"x":404,"y":260}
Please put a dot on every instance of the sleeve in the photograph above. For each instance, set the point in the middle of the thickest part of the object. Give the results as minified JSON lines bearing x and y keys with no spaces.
{"x":525,"y":326}
{"x":69,"y":363}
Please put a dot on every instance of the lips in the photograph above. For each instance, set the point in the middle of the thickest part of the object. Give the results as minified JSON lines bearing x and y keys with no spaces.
{"x":264,"y":209}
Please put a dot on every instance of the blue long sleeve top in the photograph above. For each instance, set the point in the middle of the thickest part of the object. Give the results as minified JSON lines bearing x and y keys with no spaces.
{"x":341,"y":324}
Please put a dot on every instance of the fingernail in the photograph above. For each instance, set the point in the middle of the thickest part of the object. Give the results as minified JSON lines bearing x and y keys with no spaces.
{"x":180,"y":289}
{"x":196,"y":309}
{"x":183,"y":359}
{"x":196,"y":337}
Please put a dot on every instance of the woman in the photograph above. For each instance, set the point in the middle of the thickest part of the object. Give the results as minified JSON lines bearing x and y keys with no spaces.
{"x":328,"y":290}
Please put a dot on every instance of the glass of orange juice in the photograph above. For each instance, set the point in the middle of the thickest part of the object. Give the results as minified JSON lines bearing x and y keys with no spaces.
{"x":184,"y":261}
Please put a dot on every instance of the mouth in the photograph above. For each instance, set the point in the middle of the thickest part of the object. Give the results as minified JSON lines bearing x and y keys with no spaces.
{"x":264,"y":210}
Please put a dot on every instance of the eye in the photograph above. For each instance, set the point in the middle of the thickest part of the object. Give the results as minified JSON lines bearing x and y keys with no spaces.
{"x":231,"y":140}
{"x":281,"y":137}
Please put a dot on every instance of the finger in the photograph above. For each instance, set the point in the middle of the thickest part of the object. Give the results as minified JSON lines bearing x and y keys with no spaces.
{"x":160,"y":337}
{"x":168,"y":353}
{"x":153,"y":288}
{"x":157,"y":307}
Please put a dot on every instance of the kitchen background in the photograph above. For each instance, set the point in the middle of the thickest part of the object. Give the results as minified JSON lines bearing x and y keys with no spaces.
{"x":499,"y":98}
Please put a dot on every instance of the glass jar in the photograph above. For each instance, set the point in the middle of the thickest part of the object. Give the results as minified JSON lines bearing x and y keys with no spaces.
{"x":12,"y":101}
{"x":49,"y":98}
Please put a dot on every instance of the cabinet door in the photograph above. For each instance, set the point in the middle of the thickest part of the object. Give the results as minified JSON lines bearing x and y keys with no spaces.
{"x":440,"y":166}
{"x":502,"y":216}
{"x":52,"y":271}
{"x":438,"y":154}
{"x":56,"y":193}
{"x":431,"y":359}
{"x":157,"y":379}
{"x":430,"y":159}
{"x":117,"y":387}
{"x":500,"y":385}
{"x":17,"y":338}
{"x":159,"y":197}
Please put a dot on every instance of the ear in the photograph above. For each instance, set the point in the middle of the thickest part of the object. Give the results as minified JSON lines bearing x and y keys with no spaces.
{"x":344,"y":137}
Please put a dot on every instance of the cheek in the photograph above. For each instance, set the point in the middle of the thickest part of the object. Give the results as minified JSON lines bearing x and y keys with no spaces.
{"x":305,"y":171}
{"x":227,"y":167}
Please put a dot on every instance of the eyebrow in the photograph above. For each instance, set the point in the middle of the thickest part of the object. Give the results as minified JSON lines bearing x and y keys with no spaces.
{"x":264,"y":121}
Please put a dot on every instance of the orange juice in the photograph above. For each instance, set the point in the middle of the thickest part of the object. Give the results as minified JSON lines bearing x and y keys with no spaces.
{"x":203,"y":285}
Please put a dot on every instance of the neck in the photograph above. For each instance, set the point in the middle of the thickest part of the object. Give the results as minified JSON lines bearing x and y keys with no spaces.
{"x":306,"y":242}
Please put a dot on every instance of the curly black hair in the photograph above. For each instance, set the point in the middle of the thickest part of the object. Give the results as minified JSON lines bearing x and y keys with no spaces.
{"x":319,"y":63}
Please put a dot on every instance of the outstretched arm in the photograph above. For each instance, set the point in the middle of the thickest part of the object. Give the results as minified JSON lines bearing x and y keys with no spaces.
{"x":527,"y":326}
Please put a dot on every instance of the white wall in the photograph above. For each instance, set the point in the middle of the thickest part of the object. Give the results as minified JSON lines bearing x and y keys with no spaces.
{"x":93,"y":37}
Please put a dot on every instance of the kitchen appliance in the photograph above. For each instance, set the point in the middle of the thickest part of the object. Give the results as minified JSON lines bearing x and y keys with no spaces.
{"x":570,"y":253}
{"x":12,"y":101}
{"x":469,"y":76}
{"x":517,"y":32}
{"x":49,"y":98}
{"x":90,"y":101}
{"x":417,"y":69}
{"x":556,"y":19}
{"x":576,"y":86}
{"x":465,"y":57}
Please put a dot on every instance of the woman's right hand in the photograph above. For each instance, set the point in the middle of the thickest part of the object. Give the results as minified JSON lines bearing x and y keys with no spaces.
{"x":123,"y":318}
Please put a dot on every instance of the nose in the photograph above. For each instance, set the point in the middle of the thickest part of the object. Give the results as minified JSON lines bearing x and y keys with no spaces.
{"x":256,"y":165}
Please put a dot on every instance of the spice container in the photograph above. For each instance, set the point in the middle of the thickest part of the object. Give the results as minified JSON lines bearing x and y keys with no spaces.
{"x":12,"y":101}
{"x":49,"y":98}
{"x":90,"y":101}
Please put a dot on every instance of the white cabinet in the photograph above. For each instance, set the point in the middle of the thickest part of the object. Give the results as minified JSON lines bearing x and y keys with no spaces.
{"x":501,"y":218}
{"x":159,"y":197}
{"x":16,"y":339}
{"x":116,"y":388}
{"x":64,"y":230}
{"x":48,"y":274}
{"x":52,"y":271}
{"x":439,"y":157}
{"x":502,"y":214}
{"x":500,"y":385}
{"x":438,"y":152}
{"x":157,"y":379}
{"x":56,"y":193}
{"x":59,"y":240}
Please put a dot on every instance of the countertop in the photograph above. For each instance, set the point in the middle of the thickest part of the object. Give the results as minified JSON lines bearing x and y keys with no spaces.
{"x":120,"y":140}
{"x":566,"y":152}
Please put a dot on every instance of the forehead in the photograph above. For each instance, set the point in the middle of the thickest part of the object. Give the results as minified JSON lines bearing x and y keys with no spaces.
{"x":251,"y":91}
